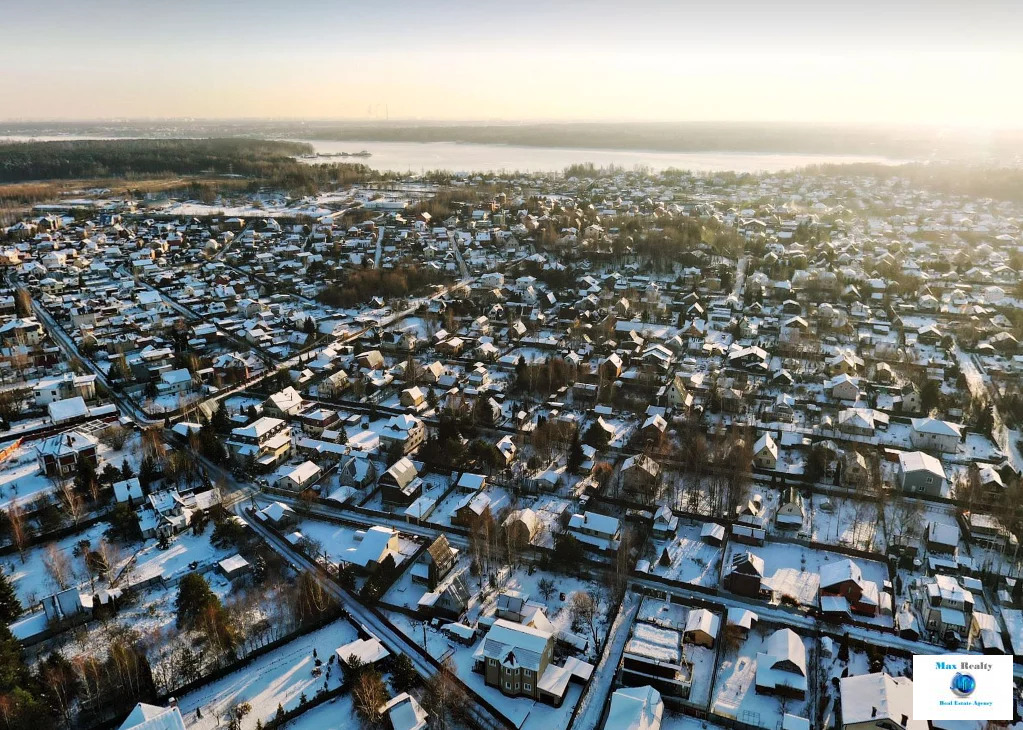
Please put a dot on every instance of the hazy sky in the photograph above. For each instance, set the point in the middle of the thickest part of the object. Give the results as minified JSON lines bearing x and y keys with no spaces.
{"x":928,"y":61}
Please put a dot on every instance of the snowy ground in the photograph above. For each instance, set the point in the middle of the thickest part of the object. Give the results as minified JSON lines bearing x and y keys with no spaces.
{"x":692,"y":560}
{"x":277,"y":678}
{"x":338,"y":713}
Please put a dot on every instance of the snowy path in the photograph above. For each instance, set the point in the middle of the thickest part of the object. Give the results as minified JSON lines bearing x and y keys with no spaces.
{"x":591,"y":706}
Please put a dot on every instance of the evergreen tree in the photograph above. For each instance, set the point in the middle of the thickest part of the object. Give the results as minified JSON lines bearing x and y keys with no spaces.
{"x":10,"y":606}
{"x":575,"y":454}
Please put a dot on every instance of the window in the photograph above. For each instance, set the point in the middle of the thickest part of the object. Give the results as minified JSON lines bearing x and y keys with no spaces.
{"x":516,"y":686}
{"x":930,"y":480}
{"x":507,"y":685}
{"x":493,"y":662}
{"x":526,"y":686}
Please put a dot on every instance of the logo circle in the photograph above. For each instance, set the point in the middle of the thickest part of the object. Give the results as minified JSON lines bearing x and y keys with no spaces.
{"x":963,"y":684}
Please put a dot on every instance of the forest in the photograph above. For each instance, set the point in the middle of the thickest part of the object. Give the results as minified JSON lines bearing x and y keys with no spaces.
{"x":260,"y":162}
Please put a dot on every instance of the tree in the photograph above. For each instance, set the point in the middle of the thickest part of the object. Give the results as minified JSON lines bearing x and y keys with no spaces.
{"x":575,"y":454}
{"x":444,"y":697}
{"x":19,"y":531}
{"x":124,"y":524}
{"x":403,"y":674}
{"x":58,"y":566}
{"x":930,"y":395}
{"x":546,"y":588}
{"x":23,"y":303}
{"x":11,"y":402}
{"x":194,"y":600}
{"x":369,"y":695}
{"x":585,"y":610}
{"x":10,"y":605}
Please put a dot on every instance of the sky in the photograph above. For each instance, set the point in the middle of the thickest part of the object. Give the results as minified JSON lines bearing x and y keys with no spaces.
{"x":934,"y":62}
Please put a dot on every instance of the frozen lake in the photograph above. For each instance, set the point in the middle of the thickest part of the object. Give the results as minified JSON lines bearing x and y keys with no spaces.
{"x":418,"y":157}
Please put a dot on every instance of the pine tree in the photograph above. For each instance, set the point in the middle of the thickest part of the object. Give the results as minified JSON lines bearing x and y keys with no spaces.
{"x":10,"y":606}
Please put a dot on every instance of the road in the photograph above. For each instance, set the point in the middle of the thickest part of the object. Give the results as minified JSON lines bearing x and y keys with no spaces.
{"x":981,"y":388}
{"x":395,"y":641}
{"x":453,"y":243}
{"x":380,"y":247}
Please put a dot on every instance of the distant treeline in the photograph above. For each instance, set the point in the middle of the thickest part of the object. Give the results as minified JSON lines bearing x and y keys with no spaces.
{"x":976,"y":181}
{"x":80,"y":159}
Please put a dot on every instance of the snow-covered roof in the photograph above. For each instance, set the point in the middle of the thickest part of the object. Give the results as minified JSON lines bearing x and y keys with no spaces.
{"x":871,"y":698}
{"x":512,"y":643}
{"x":368,"y":651}
{"x":919,"y":461}
{"x":635,"y":708}
{"x":151,"y":717}
{"x":405,"y":713}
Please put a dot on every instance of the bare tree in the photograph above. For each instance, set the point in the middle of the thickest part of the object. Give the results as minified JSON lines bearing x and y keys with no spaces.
{"x":71,"y":500}
{"x":58,"y":567}
{"x":19,"y":531}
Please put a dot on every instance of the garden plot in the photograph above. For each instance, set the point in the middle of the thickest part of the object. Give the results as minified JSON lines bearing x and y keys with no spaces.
{"x":556,"y":608}
{"x":279,"y":678}
{"x":406,"y":592}
{"x":793,"y":570}
{"x":32,"y":581}
{"x":848,"y":522}
{"x":735,"y":695}
{"x":691,"y":559}
{"x":186,"y":549}
{"x":522,"y":712}
{"x":674,"y":616}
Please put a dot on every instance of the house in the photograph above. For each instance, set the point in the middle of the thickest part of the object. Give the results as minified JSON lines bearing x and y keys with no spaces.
{"x":129,"y":490}
{"x":514,"y":658}
{"x":234,"y":567}
{"x":174,"y":382}
{"x":283,"y":403}
{"x":66,"y":410}
{"x":765,"y":453}
{"x":653,"y":656}
{"x":403,"y":433}
{"x":266,"y":441}
{"x":470,"y":509}
{"x":400,"y":484}
{"x":511,"y":605}
{"x":843,"y":388}
{"x":403,"y":712}
{"x":855,"y":469}
{"x":297,"y":478}
{"x":932,"y":434}
{"x":702,"y":628}
{"x":878,"y":701}
{"x":279,"y":515}
{"x":521,"y":526}
{"x":449,"y":599}
{"x":58,"y":456}
{"x":635,"y":708}
{"x":744,"y":575}
{"x":842,"y":579}
{"x":413,"y":397}
{"x":374,"y":546}
{"x":640,"y":476}
{"x":151,"y":717}
{"x":436,"y":562}
{"x":790,"y":513}
{"x":920,"y":473}
{"x":945,"y":606}
{"x":362,"y":652}
{"x":595,"y":529}
{"x":781,"y":668}
{"x":665,"y":523}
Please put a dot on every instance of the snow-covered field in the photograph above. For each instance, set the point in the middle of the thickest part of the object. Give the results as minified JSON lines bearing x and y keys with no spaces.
{"x":278,"y":678}
{"x":31,"y":580}
{"x":335,"y":539}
